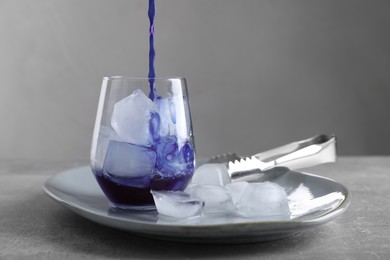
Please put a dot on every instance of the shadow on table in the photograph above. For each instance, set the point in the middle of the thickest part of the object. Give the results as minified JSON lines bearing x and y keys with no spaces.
{"x":52,"y":226}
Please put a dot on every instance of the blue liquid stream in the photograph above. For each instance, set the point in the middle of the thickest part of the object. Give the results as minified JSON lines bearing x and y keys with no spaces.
{"x":152,"y":53}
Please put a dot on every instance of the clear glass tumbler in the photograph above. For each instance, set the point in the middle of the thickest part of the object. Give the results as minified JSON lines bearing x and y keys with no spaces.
{"x":142,"y":140}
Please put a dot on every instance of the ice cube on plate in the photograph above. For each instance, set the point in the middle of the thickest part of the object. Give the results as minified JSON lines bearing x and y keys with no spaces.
{"x":131,"y":118}
{"x":264,"y":200}
{"x":124,"y":160}
{"x":177,"y":204}
{"x":236,"y":190}
{"x":211,"y":174}
{"x":216,"y":198}
{"x":166,"y":110}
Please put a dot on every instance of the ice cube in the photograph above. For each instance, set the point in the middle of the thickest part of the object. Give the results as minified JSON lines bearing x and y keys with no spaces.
{"x":236,"y":190}
{"x":99,"y":152}
{"x":177,"y":204}
{"x":166,"y":110}
{"x":216,"y":198}
{"x":131,"y":118}
{"x":124,"y":160}
{"x":172,"y":159}
{"x":211,"y":174}
{"x":264,"y":200}
{"x":154,"y":126}
{"x":182,"y":115}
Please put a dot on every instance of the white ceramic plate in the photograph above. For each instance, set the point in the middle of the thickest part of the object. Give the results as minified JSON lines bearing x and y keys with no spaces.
{"x":313,"y":201}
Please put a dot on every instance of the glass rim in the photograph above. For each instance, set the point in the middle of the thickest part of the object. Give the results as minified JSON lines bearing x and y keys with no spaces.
{"x":118,"y":77}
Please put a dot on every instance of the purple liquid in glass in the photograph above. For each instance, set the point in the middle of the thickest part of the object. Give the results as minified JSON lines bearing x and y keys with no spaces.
{"x":173,"y":170}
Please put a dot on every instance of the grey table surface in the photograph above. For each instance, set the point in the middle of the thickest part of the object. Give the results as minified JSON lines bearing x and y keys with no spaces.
{"x":33,"y":226}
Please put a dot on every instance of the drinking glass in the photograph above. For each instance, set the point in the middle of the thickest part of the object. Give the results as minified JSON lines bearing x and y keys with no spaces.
{"x":142,"y":139}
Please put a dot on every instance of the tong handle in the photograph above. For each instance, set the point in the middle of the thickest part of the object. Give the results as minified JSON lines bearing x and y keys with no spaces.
{"x":301,"y":154}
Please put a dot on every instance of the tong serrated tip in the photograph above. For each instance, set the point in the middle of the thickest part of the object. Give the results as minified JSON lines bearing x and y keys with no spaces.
{"x":246,"y":169}
{"x":224,"y":158}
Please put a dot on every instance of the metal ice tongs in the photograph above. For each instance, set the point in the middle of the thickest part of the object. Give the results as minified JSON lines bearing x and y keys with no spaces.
{"x":301,"y":154}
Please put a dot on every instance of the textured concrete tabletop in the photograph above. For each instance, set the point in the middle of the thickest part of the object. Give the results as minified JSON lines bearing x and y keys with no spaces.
{"x":33,"y":226}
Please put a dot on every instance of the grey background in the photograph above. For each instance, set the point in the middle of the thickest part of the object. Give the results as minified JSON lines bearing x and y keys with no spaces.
{"x":260,"y":73}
